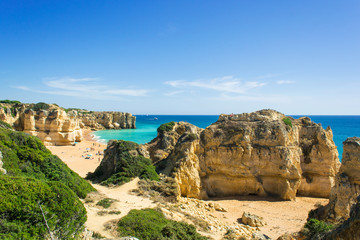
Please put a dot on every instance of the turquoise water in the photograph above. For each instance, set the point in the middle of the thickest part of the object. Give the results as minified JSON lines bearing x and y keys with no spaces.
{"x":146,"y":127}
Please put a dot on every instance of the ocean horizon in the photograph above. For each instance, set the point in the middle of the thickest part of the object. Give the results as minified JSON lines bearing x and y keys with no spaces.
{"x":343,"y":127}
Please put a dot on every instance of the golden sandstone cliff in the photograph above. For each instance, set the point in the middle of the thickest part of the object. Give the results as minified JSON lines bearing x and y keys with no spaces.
{"x":57,"y":126}
{"x":262,"y":153}
{"x":346,"y":190}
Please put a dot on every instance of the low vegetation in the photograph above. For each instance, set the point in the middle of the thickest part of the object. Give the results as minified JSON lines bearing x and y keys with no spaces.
{"x":287,"y":121}
{"x":38,"y":186}
{"x":164,"y":190}
{"x":10,"y":101}
{"x":105,"y":203}
{"x":25,"y":155}
{"x":315,"y":228}
{"x":128,"y":166}
{"x":40,"y":106}
{"x":21,"y":216}
{"x":149,"y":224}
{"x":166,"y":127}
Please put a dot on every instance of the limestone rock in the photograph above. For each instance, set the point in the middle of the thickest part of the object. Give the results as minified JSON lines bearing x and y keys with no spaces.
{"x":350,"y":229}
{"x":250,"y":153}
{"x":252,"y":220}
{"x":55,"y":126}
{"x":347,"y":185}
{"x":108,"y":120}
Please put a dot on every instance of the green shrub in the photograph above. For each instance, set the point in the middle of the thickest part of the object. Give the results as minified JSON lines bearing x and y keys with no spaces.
{"x":128,"y":165}
{"x":10,"y":101}
{"x":149,"y":224}
{"x":287,"y":121}
{"x":25,"y":155}
{"x":40,"y":106}
{"x":315,"y":227}
{"x":105,"y":203}
{"x":20,"y":213}
{"x":166,"y":127}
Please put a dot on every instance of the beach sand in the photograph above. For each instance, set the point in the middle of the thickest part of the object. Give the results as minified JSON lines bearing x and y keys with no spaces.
{"x":280,"y":216}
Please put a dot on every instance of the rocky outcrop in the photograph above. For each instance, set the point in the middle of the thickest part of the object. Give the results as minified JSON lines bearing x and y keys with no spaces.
{"x":252,"y":220}
{"x":2,"y":170}
{"x":350,"y":229}
{"x":347,"y":185}
{"x":174,"y":152}
{"x":57,"y":126}
{"x":107,"y":120}
{"x":263,"y":153}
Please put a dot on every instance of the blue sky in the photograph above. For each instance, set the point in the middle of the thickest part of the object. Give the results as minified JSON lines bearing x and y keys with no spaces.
{"x":183,"y":57}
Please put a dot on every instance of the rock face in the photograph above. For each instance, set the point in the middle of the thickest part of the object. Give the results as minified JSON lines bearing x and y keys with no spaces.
{"x":350,"y":229}
{"x":55,"y":126}
{"x":174,"y":153}
{"x":347,"y":184}
{"x":252,"y":220}
{"x":256,"y":153}
{"x":108,"y":120}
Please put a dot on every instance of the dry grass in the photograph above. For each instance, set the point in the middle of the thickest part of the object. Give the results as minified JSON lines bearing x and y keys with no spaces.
{"x":165,"y":190}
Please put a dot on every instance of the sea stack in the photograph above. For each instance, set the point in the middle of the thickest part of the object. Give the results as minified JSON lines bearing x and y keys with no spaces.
{"x":262,"y":153}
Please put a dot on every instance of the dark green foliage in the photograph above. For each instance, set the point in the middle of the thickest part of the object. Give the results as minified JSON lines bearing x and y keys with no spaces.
{"x":128,"y":165}
{"x":40,"y":106}
{"x":287,"y":121}
{"x":314,"y":227}
{"x":10,"y":101}
{"x":166,"y":127}
{"x":25,"y":155}
{"x":105,"y":203}
{"x":20,"y":214}
{"x":149,"y":224}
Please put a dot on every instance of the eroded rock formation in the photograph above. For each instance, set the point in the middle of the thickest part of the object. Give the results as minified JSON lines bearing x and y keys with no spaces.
{"x":258,"y":153}
{"x":347,"y":185}
{"x":107,"y":120}
{"x":55,"y":126}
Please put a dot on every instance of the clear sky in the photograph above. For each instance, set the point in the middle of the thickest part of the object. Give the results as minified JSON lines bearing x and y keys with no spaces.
{"x":183,"y":57}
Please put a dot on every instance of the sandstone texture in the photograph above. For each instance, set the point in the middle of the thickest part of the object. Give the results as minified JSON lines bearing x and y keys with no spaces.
{"x":252,"y":220}
{"x":350,"y":229}
{"x":107,"y":120}
{"x":347,"y":185}
{"x":252,"y":153}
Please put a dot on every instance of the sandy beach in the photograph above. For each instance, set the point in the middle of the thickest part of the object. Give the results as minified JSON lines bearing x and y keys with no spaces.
{"x":280,"y":216}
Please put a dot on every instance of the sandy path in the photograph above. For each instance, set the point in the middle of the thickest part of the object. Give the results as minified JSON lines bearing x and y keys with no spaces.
{"x":281,"y":216}
{"x":74,"y":157}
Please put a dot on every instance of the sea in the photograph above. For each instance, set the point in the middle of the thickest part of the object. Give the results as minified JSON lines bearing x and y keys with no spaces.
{"x":146,"y":127}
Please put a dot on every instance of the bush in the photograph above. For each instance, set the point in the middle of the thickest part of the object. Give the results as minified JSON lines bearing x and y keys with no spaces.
{"x":10,"y":101}
{"x":40,"y":106}
{"x":165,"y":189}
{"x":21,"y":216}
{"x":25,"y":155}
{"x":166,"y":127}
{"x":105,"y":203}
{"x":315,"y":227}
{"x":287,"y":121}
{"x":128,"y":165}
{"x":149,"y":224}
